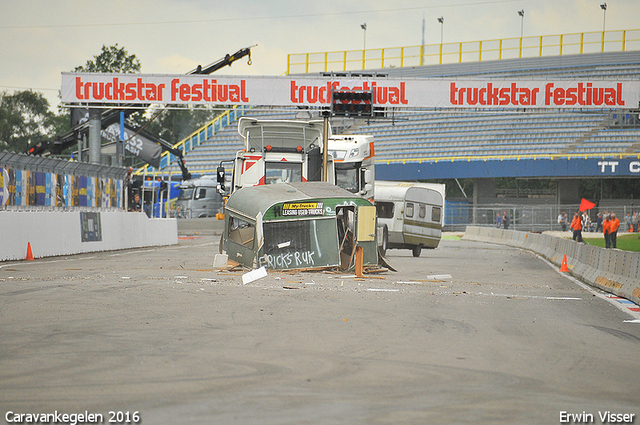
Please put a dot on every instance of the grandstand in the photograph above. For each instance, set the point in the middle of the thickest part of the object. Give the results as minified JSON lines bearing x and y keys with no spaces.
{"x":435,"y":135}
{"x":483,"y":143}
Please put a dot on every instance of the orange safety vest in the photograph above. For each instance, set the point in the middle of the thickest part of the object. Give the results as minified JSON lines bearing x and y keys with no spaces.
{"x":613,"y":225}
{"x":606,"y":226}
{"x":576,"y":224}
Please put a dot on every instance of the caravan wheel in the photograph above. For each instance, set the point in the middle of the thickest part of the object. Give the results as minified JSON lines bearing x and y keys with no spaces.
{"x":385,"y":240}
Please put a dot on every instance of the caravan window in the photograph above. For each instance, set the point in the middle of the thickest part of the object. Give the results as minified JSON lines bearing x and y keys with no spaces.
{"x":436,"y":214}
{"x":422,"y":211}
{"x":241,"y":231}
{"x":385,"y":209}
{"x":409,"y":209}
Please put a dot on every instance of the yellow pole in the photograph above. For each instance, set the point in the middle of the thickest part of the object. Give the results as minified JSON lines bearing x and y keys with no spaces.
{"x":540,"y":51}
{"x":520,"y":48}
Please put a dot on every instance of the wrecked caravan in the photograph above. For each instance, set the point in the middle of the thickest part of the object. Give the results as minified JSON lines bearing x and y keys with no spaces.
{"x":310,"y":225}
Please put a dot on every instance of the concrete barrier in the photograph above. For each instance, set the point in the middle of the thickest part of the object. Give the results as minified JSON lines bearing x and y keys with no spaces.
{"x":611,"y":270}
{"x":52,"y":233}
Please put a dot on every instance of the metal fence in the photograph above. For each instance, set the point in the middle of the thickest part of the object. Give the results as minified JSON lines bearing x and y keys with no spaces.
{"x":532,"y":218}
{"x":40,"y":183}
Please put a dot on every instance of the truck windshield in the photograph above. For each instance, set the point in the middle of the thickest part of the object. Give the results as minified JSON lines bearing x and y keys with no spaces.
{"x":282,"y":172}
{"x":347,"y":176}
{"x":186,"y":193}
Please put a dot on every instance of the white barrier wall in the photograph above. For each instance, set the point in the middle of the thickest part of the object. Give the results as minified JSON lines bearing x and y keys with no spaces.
{"x":611,"y":270}
{"x":53,"y":233}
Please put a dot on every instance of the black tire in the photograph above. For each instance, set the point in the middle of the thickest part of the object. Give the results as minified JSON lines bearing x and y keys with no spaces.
{"x":416,"y":250}
{"x":385,"y":241}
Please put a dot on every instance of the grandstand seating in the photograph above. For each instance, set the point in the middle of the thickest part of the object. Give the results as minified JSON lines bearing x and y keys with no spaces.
{"x":455,"y":133}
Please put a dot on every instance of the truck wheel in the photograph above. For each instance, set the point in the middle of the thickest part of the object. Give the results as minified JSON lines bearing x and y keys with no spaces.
{"x":416,"y":250}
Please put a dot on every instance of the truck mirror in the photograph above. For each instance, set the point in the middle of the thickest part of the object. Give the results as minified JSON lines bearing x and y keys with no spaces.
{"x":368,"y":188}
{"x":220,"y":173}
{"x":367,"y":177}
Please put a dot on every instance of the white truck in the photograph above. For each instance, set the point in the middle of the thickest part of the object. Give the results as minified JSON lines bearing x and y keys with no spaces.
{"x":198,"y":198}
{"x":413,"y":213}
{"x":353,"y":157}
{"x":278,"y":151}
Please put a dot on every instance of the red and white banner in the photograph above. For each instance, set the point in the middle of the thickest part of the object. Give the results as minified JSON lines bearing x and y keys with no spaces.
{"x":90,"y":88}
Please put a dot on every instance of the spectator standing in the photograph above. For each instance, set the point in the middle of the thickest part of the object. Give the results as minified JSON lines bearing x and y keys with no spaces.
{"x":562,"y":221}
{"x":505,"y":220}
{"x":605,"y":231}
{"x":634,"y":222}
{"x":586,"y":222}
{"x":498,"y":220}
{"x":599,"y":223}
{"x":576,"y":226}
{"x":627,"y":222}
{"x":613,"y":230}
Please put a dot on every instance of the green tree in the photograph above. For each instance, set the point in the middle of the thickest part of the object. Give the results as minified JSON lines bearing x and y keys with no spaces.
{"x":112,"y":59}
{"x":25,"y":119}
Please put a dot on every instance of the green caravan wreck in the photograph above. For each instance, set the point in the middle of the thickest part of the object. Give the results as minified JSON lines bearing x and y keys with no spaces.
{"x":311,"y":225}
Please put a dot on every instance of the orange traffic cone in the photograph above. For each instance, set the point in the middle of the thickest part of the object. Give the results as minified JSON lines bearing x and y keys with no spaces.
{"x":29,"y":253}
{"x":563,"y":267}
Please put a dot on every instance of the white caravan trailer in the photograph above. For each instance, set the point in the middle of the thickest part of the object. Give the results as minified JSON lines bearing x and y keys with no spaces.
{"x":411,"y":213}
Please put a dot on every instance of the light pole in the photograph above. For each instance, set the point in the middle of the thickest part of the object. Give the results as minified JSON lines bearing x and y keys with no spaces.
{"x":521,"y":13}
{"x":603,"y":6}
{"x":441,"y":20}
{"x":364,"y":27}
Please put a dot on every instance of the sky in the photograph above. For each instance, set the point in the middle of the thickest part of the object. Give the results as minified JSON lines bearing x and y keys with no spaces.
{"x":40,"y":39}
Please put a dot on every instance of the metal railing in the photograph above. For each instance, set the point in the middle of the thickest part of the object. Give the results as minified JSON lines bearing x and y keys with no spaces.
{"x":517,"y":157}
{"x":470,"y":51}
{"x":531,"y":218}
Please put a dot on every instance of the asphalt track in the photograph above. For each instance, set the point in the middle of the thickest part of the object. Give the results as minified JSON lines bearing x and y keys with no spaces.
{"x":506,"y":340}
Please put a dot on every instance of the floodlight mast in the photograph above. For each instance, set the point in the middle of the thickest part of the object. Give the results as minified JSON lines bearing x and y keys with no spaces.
{"x":521,"y":13}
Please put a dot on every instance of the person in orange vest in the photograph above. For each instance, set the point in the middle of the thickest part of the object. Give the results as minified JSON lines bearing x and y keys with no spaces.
{"x":576,"y":226}
{"x":614,"y":223}
{"x":606,"y":229}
